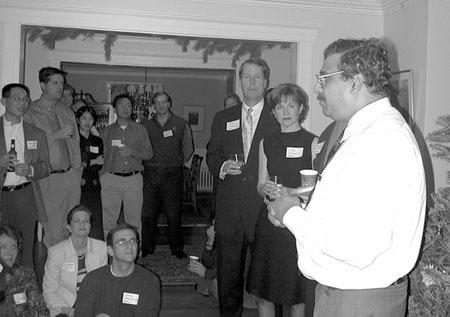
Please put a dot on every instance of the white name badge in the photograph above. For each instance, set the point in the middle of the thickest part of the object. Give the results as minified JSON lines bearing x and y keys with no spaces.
{"x":116,"y":142}
{"x":20,"y":298}
{"x":294,"y":152}
{"x":68,"y":267}
{"x":93,"y":149}
{"x":319,"y":147}
{"x":32,"y":145}
{"x":168,"y":133}
{"x":233,"y":125}
{"x":130,"y":298}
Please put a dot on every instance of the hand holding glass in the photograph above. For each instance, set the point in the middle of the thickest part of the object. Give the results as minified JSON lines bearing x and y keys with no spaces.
{"x":235,"y":164}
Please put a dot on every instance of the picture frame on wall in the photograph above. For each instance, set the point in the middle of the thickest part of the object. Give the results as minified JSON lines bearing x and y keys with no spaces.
{"x":195,"y":116}
{"x":402,"y":94}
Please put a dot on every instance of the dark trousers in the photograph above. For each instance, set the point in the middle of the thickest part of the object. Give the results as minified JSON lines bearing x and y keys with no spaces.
{"x":163,"y":191}
{"x":231,"y":254}
{"x":18,"y":209}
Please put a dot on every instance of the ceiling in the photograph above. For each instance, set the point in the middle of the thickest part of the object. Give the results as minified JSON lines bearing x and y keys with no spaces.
{"x":375,"y":6}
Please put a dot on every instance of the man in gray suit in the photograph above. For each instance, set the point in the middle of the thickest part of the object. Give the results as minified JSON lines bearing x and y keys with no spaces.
{"x":21,"y":198}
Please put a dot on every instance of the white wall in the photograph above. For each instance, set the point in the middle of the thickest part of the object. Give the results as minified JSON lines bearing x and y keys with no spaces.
{"x":419,"y":33}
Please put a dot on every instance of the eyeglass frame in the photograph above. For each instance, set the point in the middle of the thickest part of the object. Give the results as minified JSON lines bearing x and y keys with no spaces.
{"x":321,"y":77}
{"x":18,"y":99}
{"x":122,"y":242}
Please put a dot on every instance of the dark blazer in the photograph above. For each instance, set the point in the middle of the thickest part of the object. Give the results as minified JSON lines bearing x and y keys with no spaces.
{"x":326,"y":141}
{"x":237,"y":202}
{"x":38,"y":158}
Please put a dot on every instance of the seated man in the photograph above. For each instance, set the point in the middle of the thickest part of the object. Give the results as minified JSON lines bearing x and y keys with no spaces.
{"x":122,"y":288}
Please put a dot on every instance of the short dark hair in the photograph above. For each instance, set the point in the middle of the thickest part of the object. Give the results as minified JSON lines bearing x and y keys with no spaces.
{"x":6,"y":91}
{"x":234,"y":96}
{"x":79,"y":207}
{"x":46,"y":72}
{"x":162,"y":93}
{"x":84,"y":109}
{"x":367,"y":57}
{"x":258,"y":62}
{"x":119,"y":227}
{"x":16,"y":235}
{"x":70,"y":88}
{"x":118,"y":97}
{"x":293,"y":91}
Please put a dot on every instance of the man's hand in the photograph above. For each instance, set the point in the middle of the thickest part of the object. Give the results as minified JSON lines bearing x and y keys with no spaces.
{"x":8,"y":161}
{"x":22,"y":169}
{"x":232,"y":167}
{"x":67,"y":131}
{"x":123,"y":151}
{"x":278,"y":208}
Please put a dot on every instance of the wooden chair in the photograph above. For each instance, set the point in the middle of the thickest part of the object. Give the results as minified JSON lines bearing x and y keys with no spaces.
{"x":191,"y":175}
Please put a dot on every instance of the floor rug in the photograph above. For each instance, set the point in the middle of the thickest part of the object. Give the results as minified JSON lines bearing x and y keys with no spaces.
{"x":170,"y":269}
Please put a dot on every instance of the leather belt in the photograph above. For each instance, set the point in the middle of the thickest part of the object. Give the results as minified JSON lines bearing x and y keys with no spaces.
{"x":15,"y":187}
{"x":126,"y":174}
{"x":60,"y":171}
{"x":399,"y":281}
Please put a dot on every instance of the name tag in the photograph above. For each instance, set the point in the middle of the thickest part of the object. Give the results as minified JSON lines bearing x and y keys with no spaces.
{"x":130,"y":298}
{"x":20,"y":298}
{"x":167,"y":133}
{"x":116,"y":142}
{"x":294,"y":152}
{"x":233,"y":125}
{"x":93,"y":149}
{"x":319,"y":147}
{"x":68,"y":267}
{"x":32,"y":145}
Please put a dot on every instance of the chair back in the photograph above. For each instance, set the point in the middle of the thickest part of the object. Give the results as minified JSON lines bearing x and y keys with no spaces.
{"x":195,"y":170}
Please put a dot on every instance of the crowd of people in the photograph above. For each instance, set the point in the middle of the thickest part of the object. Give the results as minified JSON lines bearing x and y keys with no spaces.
{"x":340,"y":248}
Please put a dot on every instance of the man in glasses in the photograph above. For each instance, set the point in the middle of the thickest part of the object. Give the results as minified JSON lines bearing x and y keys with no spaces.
{"x":21,"y":198}
{"x":122,"y":288}
{"x":361,"y":232}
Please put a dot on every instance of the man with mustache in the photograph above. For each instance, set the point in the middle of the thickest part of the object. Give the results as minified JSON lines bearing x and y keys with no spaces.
{"x":62,"y":189}
{"x":361,"y":232}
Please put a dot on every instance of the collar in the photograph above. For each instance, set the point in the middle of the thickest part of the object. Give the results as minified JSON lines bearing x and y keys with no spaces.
{"x":8,"y":124}
{"x":256,"y":108}
{"x":367,"y":115}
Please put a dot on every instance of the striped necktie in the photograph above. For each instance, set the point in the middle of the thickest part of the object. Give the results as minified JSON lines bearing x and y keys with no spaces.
{"x":248,"y":133}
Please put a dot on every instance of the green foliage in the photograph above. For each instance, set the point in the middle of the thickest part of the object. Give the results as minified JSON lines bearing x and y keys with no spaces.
{"x":430,"y":280}
{"x":237,"y":48}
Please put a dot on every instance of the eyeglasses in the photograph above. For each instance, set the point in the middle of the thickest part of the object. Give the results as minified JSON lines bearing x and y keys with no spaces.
{"x":320,"y":78}
{"x":18,"y":99}
{"x":124,"y":242}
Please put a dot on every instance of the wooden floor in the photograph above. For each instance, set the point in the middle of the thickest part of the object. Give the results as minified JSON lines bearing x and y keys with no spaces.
{"x":176,"y":303}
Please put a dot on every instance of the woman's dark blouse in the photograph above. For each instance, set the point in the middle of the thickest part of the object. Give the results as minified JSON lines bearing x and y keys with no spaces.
{"x":91,"y":148}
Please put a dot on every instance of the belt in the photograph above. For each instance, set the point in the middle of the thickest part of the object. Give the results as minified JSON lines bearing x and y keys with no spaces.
{"x":399,"y":281}
{"x":15,"y":187}
{"x":126,"y":174}
{"x":60,"y":171}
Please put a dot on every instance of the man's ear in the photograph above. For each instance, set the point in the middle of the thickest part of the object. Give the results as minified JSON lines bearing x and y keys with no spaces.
{"x":42,"y":85}
{"x":3,"y":101}
{"x":110,"y":250}
{"x":357,"y":83}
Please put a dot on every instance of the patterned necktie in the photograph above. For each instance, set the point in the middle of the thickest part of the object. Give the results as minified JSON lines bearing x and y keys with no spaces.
{"x":248,"y":133}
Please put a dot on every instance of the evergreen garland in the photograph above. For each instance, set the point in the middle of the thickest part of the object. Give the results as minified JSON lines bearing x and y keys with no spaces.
{"x":430,"y":280}
{"x":237,"y":48}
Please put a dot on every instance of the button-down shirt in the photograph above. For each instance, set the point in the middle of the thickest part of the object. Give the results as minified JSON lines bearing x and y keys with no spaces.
{"x":135,"y":137}
{"x":364,"y":224}
{"x":15,"y":132}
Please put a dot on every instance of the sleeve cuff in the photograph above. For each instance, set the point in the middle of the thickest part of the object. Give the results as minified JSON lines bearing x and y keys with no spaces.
{"x":222,"y":173}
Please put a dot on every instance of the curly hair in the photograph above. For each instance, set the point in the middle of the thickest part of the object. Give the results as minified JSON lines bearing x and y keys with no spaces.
{"x":367,"y":57}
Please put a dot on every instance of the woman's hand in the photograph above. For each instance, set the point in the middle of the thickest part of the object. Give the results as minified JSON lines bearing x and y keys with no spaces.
{"x":274,"y":190}
{"x":98,"y":161}
{"x":197,"y":267}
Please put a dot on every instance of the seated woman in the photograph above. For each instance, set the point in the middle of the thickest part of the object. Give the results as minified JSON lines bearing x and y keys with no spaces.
{"x":19,"y":292}
{"x":69,"y":261}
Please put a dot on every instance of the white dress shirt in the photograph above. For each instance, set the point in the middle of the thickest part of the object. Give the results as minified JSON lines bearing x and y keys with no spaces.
{"x":364,"y":224}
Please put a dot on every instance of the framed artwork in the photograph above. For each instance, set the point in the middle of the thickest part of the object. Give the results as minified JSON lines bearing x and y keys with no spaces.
{"x":195,"y":116}
{"x":402,"y":94}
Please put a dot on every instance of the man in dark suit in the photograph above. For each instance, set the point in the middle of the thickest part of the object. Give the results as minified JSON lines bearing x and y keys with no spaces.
{"x":236,"y":130}
{"x":21,"y":198}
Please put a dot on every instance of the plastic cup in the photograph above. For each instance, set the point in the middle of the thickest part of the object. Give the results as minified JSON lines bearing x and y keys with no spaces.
{"x":309,"y":177}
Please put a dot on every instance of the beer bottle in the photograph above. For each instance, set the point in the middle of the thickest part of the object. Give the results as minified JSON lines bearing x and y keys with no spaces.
{"x":12,"y":151}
